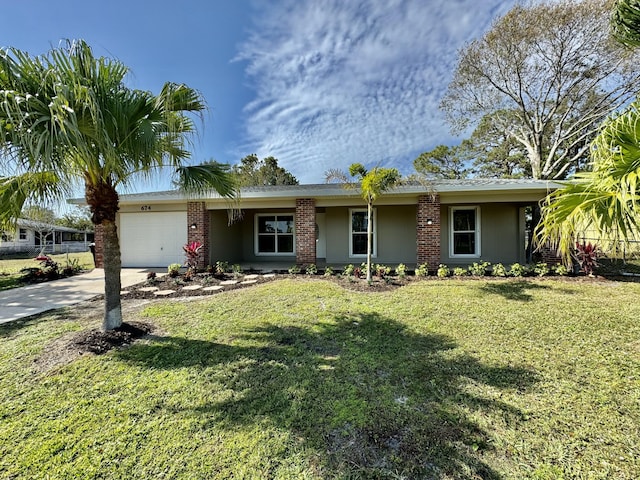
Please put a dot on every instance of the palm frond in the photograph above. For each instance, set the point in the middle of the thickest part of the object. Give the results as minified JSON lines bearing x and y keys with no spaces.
{"x":32,"y":187}
{"x":205,"y":178}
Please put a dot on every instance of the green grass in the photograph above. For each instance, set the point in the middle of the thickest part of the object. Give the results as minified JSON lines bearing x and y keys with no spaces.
{"x":10,"y":276}
{"x":535,"y":379}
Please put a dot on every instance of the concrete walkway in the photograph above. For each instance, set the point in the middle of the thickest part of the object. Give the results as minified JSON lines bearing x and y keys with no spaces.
{"x":33,"y":299}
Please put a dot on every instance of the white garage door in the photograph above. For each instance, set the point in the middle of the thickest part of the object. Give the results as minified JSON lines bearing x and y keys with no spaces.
{"x":152,"y":239}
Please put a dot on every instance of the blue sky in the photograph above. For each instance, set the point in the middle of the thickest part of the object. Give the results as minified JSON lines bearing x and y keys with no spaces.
{"x":318,"y":84}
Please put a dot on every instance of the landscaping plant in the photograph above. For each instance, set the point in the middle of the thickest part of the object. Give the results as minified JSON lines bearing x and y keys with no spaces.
{"x":443,"y":271}
{"x":499,"y":270}
{"x":401,"y":270}
{"x":422,"y":270}
{"x":586,"y":255}
{"x":192,"y":253}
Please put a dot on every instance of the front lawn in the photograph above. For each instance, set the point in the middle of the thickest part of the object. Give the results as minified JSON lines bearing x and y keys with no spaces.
{"x":11,"y":277}
{"x":297,"y":378}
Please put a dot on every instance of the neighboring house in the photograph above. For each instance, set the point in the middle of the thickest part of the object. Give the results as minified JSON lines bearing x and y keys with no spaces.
{"x":33,"y":237}
{"x":456,"y":222}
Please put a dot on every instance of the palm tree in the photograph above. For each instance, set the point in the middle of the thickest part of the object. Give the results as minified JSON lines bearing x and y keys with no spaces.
{"x":625,"y":22}
{"x":373,"y":183}
{"x":605,"y":200}
{"x":67,"y":120}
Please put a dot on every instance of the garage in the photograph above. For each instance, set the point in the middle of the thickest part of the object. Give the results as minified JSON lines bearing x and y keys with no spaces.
{"x":152,"y":239}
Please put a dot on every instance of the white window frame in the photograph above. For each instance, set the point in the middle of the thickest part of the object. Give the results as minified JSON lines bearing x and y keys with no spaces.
{"x":374,"y":235}
{"x":256,"y":247}
{"x":477,"y":232}
{"x":23,"y":237}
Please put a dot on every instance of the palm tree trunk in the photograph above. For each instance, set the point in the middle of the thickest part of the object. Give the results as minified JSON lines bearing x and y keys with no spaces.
{"x":369,"y":239}
{"x":112,"y":266}
{"x":103,"y":202}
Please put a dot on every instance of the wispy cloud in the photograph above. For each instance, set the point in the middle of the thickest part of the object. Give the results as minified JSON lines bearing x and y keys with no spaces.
{"x":340,"y":82}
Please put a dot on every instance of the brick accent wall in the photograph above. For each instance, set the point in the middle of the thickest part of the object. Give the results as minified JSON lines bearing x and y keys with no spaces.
{"x":305,"y":231}
{"x":99,"y":246}
{"x":548,"y":255}
{"x":198,"y":214}
{"x":428,"y":236}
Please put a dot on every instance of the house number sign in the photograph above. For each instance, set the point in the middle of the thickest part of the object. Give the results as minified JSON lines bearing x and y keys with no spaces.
{"x":145,"y":208}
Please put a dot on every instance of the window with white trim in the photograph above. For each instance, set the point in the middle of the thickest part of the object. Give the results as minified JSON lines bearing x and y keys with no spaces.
{"x":358,"y":233}
{"x":275,"y":234}
{"x":22,"y":234}
{"x":464,"y":232}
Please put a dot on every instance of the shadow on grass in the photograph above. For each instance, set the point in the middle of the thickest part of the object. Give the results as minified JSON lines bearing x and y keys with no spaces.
{"x":518,"y":290}
{"x":371,"y":398}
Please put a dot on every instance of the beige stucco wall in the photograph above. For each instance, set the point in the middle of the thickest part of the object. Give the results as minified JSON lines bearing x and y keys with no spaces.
{"x":502,"y":234}
{"x":396,"y":235}
{"x":226,"y":240}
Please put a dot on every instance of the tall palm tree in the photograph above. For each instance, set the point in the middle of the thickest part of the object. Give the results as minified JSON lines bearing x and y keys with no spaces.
{"x":373,"y":183}
{"x":67,"y":120}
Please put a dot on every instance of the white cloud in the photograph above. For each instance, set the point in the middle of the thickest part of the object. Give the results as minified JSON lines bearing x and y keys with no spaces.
{"x":340,"y":82}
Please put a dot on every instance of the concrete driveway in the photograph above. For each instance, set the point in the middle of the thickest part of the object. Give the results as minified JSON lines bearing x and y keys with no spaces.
{"x":33,"y":299}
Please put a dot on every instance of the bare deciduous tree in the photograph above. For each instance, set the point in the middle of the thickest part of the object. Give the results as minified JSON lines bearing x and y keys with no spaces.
{"x":557,"y":67}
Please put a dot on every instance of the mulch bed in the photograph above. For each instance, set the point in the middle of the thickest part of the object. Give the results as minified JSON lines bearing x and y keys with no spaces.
{"x":99,"y":342}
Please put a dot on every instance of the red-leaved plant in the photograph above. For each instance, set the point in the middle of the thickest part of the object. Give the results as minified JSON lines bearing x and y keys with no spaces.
{"x":192,"y":252}
{"x":586,"y":254}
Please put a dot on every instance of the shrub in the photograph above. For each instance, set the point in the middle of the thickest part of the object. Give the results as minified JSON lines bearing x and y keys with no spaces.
{"x":401,"y":270}
{"x":381,"y":271}
{"x":328,"y":271}
{"x":348,"y":270}
{"x":192,"y":253}
{"x":174,"y":270}
{"x":561,"y":270}
{"x":151,"y":277}
{"x":586,"y":254}
{"x":188,"y":275}
{"x":517,"y":270}
{"x":443,"y":271}
{"x":459,"y":272}
{"x":499,"y":270}
{"x":541,"y":269}
{"x":479,"y":269}
{"x":294,"y":270}
{"x":221,"y":267}
{"x":311,"y":269}
{"x":422,"y":270}
{"x":358,"y":273}
{"x":236,"y":269}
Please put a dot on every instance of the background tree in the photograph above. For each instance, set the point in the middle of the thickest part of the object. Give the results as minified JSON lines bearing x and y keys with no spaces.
{"x":43,"y":221}
{"x":67,"y":119}
{"x":443,"y":162}
{"x":79,"y":218}
{"x":604,"y":200}
{"x":495,"y":153}
{"x":251,"y":171}
{"x":373,"y":183}
{"x":555,"y":69}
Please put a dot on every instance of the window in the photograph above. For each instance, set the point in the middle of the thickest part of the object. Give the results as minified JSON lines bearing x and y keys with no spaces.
{"x":274,"y":235}
{"x":358,"y":234}
{"x":464,"y":239}
{"x":23,"y":234}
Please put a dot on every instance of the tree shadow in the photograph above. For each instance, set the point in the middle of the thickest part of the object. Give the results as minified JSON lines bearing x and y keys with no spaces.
{"x":371,"y":398}
{"x":518,"y":290}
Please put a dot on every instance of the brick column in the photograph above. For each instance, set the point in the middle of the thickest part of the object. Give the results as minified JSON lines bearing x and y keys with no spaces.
{"x":305,"y":231}
{"x":98,"y":241}
{"x":198,"y":215}
{"x":428,"y":235}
